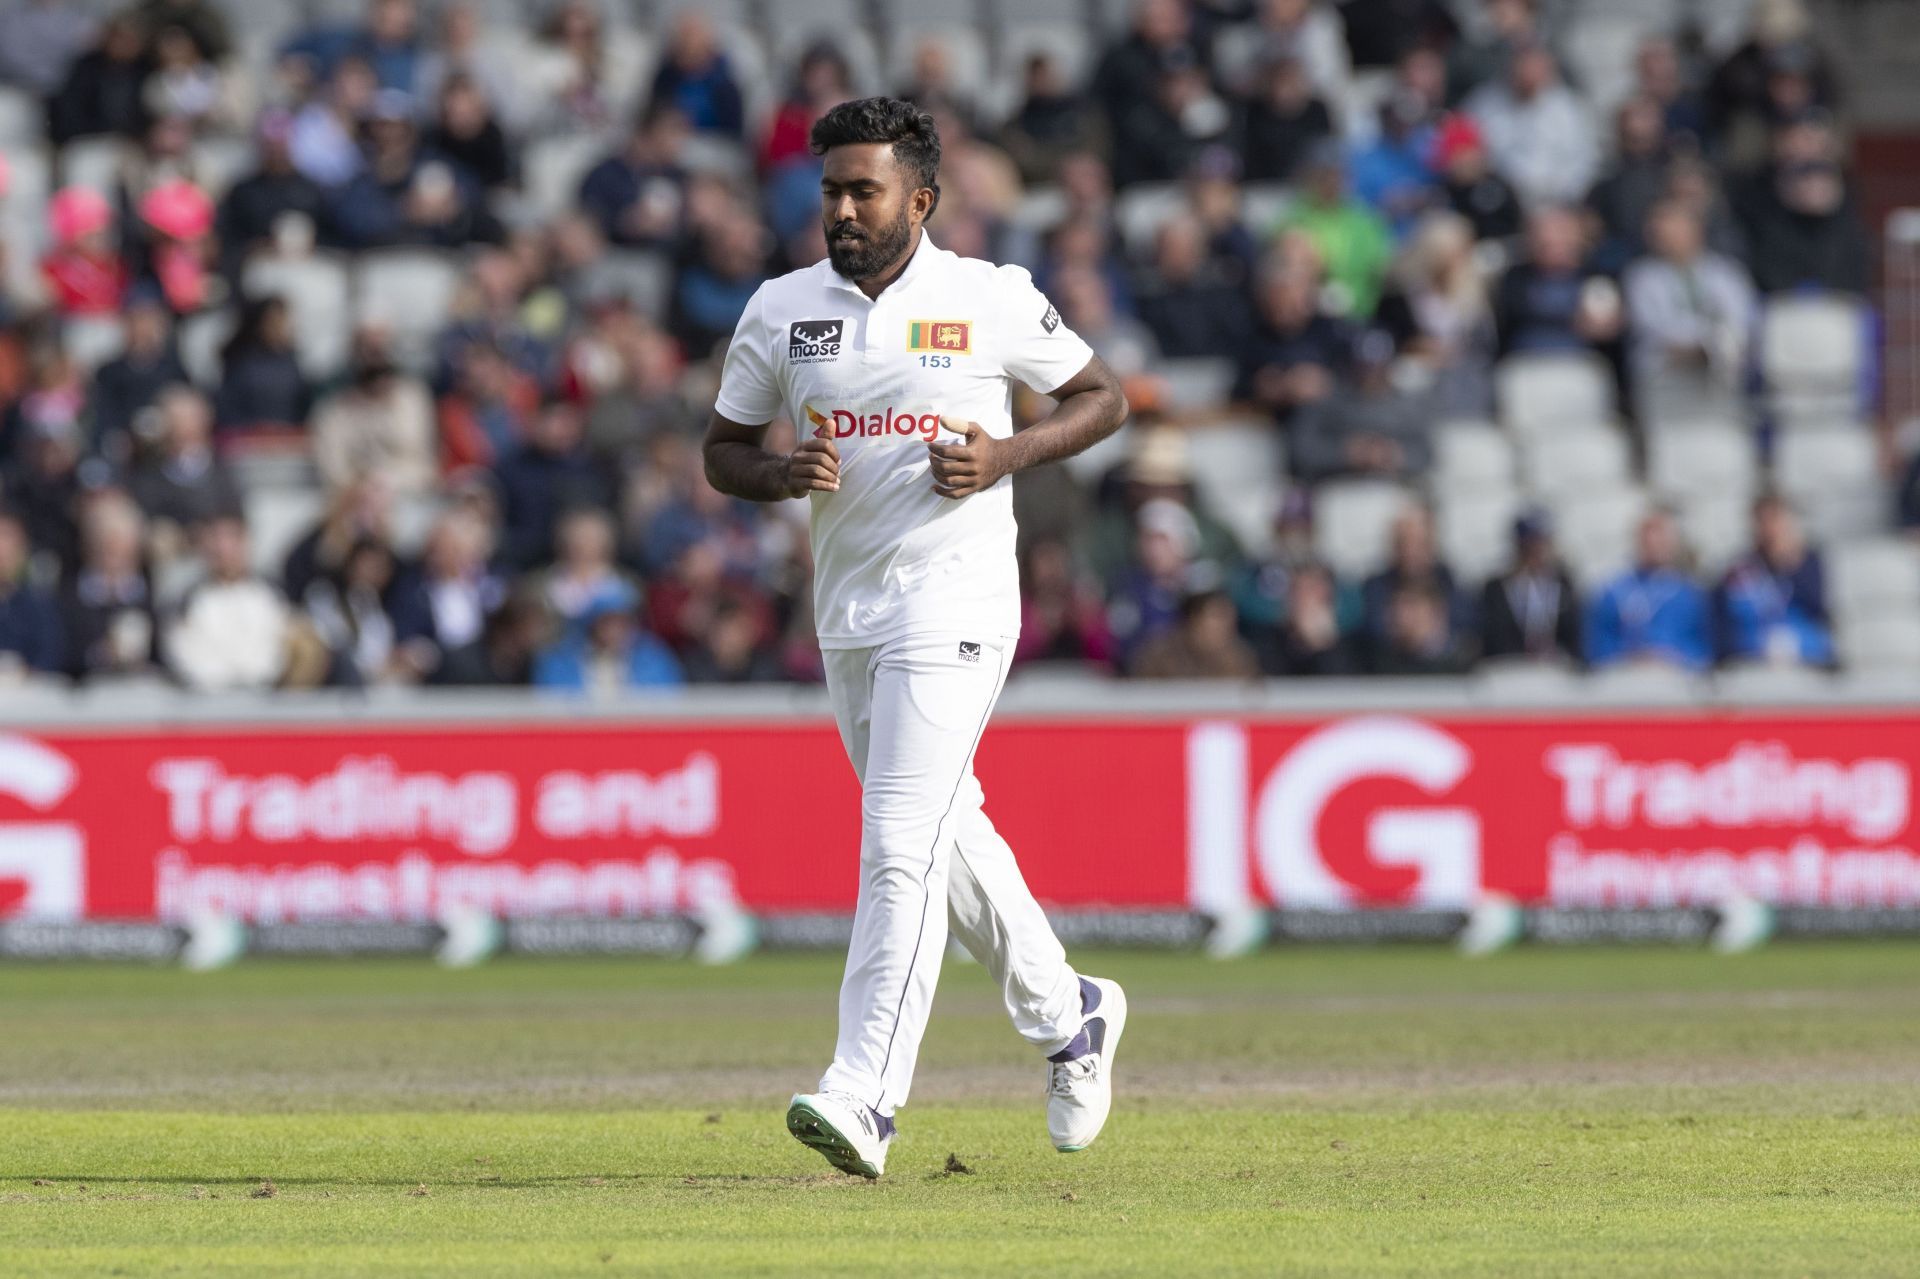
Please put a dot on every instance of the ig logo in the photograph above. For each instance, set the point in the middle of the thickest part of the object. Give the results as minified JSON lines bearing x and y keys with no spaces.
{"x":1442,"y":844}
{"x":48,"y":858}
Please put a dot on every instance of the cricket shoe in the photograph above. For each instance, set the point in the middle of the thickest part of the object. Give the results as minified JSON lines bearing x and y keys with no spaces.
{"x":1080,"y":1076}
{"x":851,"y":1134}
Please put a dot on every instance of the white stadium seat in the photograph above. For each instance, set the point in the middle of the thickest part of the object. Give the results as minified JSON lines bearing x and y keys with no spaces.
{"x":1833,"y":476}
{"x":22,"y":118}
{"x":1197,"y":383}
{"x":1575,"y":458}
{"x":1874,"y":572}
{"x":1882,"y":640}
{"x":1353,"y":524}
{"x":408,"y":292}
{"x":1237,"y":466}
{"x":92,"y":340}
{"x":201,"y":338}
{"x":1811,"y":353}
{"x":1475,"y":530}
{"x":317,"y":297}
{"x":1718,"y":528}
{"x":552,"y":169}
{"x":1710,"y":459}
{"x":1595,"y":531}
{"x":1471,"y":455}
{"x":1544,"y":392}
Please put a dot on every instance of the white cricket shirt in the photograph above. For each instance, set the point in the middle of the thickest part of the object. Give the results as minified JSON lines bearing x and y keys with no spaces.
{"x":948,"y":337}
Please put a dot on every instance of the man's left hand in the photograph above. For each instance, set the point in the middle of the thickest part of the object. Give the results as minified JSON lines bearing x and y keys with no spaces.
{"x":972,"y":466}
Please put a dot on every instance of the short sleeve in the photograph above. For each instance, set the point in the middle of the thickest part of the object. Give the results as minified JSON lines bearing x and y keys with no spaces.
{"x":749,"y":392}
{"x":1039,"y":348}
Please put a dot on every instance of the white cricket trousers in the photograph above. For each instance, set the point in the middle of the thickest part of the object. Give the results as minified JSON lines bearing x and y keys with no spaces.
{"x":911,"y":713}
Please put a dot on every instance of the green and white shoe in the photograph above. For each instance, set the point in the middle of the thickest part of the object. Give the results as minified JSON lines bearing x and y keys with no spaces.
{"x":851,"y":1135}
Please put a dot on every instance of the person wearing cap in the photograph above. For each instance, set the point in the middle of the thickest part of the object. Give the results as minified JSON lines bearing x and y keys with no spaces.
{"x":252,"y":211}
{"x":1159,"y":465}
{"x":1654,"y":613}
{"x":406,"y":193}
{"x":1371,"y":428}
{"x":134,"y":379}
{"x":1779,"y":40}
{"x":1468,"y":183}
{"x":1204,"y":644}
{"x":1801,"y":218}
{"x":1538,"y":131}
{"x":1282,"y":120}
{"x":1532,"y":610}
{"x":1352,"y":240}
{"x":1164,"y":567}
{"x":609,"y":652}
{"x":1392,"y":173}
{"x":83,"y":271}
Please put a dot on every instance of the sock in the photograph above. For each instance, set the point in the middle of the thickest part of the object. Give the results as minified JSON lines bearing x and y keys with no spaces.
{"x":1081,"y":1045}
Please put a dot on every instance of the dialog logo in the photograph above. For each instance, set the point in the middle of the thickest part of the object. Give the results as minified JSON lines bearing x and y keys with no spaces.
{"x":814,"y":341}
{"x":1440,"y":842}
{"x":42,"y":864}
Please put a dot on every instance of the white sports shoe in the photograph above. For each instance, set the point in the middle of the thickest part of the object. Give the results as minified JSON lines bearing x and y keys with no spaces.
{"x":851,"y":1134}
{"x":1080,"y":1088}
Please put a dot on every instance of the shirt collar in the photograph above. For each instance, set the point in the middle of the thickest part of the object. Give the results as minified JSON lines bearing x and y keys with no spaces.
{"x":920,"y":261}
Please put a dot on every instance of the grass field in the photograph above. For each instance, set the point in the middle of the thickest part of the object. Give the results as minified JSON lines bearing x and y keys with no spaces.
{"x":1305,"y":1112}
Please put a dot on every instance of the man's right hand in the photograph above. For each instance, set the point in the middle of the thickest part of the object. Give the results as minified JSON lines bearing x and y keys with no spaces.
{"x":814,"y":465}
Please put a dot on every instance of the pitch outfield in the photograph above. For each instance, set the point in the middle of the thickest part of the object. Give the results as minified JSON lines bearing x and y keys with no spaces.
{"x":1323,"y":1112}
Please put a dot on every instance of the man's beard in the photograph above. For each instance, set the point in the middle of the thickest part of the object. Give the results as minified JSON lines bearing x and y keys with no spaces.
{"x":865,"y":258}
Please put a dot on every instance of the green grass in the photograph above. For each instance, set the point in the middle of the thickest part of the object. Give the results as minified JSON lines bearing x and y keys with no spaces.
{"x":1306,"y":1112}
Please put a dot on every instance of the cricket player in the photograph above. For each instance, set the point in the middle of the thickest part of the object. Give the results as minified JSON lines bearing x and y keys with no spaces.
{"x":896,"y":359}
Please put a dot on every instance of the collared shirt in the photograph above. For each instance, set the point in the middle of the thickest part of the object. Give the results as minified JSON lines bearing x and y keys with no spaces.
{"x":947,"y":338}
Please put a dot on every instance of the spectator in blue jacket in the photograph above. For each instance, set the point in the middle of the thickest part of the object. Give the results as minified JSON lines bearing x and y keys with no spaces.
{"x":696,"y":77}
{"x":1772,"y":605}
{"x":1653,"y":612}
{"x":29,"y":618}
{"x":609,"y":653}
{"x":1393,"y":173}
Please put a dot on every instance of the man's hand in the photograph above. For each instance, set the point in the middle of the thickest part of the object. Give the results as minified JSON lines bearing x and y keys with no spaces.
{"x":961,"y":470}
{"x":814,"y":465}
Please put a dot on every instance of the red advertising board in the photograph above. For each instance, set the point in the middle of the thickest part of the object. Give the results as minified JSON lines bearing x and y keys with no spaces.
{"x":402,"y":821}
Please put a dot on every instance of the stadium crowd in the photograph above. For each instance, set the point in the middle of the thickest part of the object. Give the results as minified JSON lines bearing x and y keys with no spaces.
{"x":515,"y":496}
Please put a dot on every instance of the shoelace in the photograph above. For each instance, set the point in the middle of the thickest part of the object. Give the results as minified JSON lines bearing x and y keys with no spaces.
{"x":1066,"y":1075}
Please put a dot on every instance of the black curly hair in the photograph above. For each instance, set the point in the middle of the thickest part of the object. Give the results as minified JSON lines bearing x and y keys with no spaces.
{"x":910,"y":131}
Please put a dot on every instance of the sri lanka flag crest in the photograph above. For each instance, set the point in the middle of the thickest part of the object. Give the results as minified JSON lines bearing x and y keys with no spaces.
{"x":953,"y":337}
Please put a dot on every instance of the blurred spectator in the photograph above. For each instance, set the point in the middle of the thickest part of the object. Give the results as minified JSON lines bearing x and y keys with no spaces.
{"x":820,"y":81}
{"x":1803,"y":229}
{"x":1438,"y":314}
{"x":133,"y":380}
{"x":486,"y":415}
{"x":696,"y":78}
{"x":1381,"y":32}
{"x":1311,"y":639}
{"x":1164,"y":570}
{"x":1739,"y":100}
{"x":1309,"y":32}
{"x":1352,"y":241}
{"x":106,"y":604}
{"x":731,"y":651}
{"x":1188,"y":300}
{"x":1537,"y":130}
{"x":30,"y":630}
{"x":1531,"y":610}
{"x":1392,"y":172}
{"x":1283,"y":121}
{"x":683,"y":602}
{"x":641,"y":394}
{"x":176,"y":218}
{"x":324,"y":139}
{"x":388,"y":42}
{"x":583,"y":569}
{"x":609,"y":654}
{"x":1295,"y":350}
{"x":233,"y":629}
{"x":39,"y":41}
{"x":1158,"y":467}
{"x":347,"y":608}
{"x":1414,"y":565}
{"x":466,"y":133}
{"x":1660,"y":77}
{"x":1370,"y":428}
{"x":639,"y":194}
{"x":462,"y":50}
{"x":260,"y":204}
{"x":1161,"y":35}
{"x":1488,"y":48}
{"x":1772,"y":605}
{"x":1053,"y":121}
{"x":406,"y":193}
{"x":1635,"y":180}
{"x":105,"y":88}
{"x":728,"y":267}
{"x":382,"y":420}
{"x":261,"y":383}
{"x":550,"y":472}
{"x":184,"y":482}
{"x":1472,"y":188}
{"x":203,"y":20}
{"x":1549,"y":300}
{"x":581,"y":76}
{"x":1654,"y":612}
{"x":440,"y":612}
{"x":84,"y":272}
{"x":1204,"y":644}
{"x":358,"y":512}
{"x":1419,"y":638}
{"x":46,"y":440}
{"x":185,"y":85}
{"x":1691,"y":316}
{"x":1157,"y":138}
{"x":1123,"y":342}
{"x":1061,"y":617}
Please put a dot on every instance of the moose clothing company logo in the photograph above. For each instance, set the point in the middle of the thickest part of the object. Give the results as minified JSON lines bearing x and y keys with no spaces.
{"x":949,"y":337}
{"x":42,"y":864}
{"x":814,"y":341}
